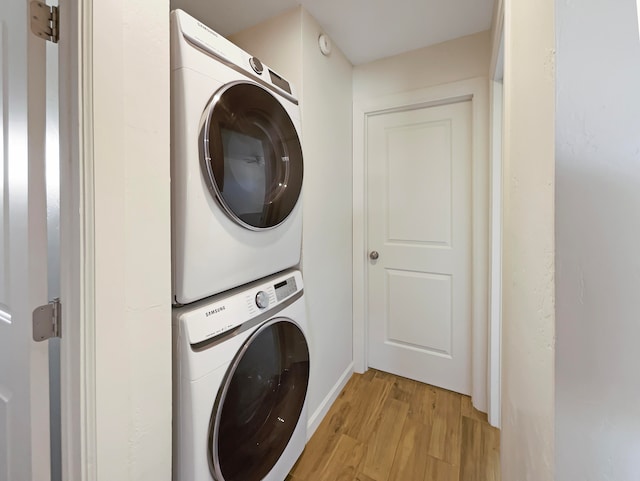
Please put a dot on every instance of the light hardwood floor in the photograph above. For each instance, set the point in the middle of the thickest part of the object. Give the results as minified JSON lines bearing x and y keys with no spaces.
{"x":387,"y":428}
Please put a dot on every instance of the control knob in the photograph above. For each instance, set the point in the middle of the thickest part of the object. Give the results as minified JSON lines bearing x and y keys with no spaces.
{"x":256,"y":65}
{"x":262,"y":300}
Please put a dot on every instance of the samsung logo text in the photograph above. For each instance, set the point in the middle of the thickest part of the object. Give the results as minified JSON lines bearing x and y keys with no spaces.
{"x":215,"y":311}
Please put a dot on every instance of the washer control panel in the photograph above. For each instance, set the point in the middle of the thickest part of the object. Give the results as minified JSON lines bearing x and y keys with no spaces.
{"x":285,"y":288}
{"x":212,"y":317}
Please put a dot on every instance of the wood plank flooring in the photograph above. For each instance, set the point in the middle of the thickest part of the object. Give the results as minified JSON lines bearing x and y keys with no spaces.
{"x":387,"y":428}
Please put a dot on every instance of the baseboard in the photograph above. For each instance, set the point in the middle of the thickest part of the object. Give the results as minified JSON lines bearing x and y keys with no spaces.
{"x":316,"y":418}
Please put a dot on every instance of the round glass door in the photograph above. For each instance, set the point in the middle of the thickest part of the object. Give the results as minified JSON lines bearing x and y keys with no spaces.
{"x":252,"y":155}
{"x":259,"y":405}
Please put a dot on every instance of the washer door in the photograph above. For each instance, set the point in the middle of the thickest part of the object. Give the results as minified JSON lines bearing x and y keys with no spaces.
{"x":251,"y":155}
{"x":259,"y":405}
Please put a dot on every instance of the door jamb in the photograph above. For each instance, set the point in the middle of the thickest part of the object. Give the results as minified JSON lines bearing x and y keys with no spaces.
{"x":77,"y":346}
{"x":477,"y":90}
{"x":494,"y":365}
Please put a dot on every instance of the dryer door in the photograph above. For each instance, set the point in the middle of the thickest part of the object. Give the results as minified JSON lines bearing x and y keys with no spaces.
{"x":259,"y":405}
{"x":251,"y":154}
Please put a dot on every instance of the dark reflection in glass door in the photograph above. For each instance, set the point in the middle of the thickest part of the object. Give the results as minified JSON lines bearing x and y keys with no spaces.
{"x":259,"y":406}
{"x":252,"y":156}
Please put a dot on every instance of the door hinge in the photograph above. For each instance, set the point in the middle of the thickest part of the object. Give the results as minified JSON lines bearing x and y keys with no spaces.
{"x":47,"y":321}
{"x":45,"y":21}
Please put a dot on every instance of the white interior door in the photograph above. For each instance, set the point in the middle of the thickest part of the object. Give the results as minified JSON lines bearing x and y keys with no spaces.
{"x":24,"y":378}
{"x":419,"y":224}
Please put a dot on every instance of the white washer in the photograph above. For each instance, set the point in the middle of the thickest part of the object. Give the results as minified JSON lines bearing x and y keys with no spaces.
{"x":241,"y":373}
{"x":237,"y":165}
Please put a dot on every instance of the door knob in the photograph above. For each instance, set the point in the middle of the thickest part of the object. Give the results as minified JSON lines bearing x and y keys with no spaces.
{"x":373,"y":255}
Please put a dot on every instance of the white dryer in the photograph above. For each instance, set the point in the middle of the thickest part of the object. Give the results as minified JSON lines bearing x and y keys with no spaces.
{"x":241,"y":372}
{"x":237,"y":165}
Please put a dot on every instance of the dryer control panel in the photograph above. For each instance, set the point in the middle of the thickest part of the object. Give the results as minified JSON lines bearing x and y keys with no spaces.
{"x":211,"y":42}
{"x":217,"y":315}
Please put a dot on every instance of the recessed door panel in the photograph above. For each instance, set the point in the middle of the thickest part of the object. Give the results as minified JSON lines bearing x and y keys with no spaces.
{"x":419,"y":182}
{"x":420,"y":311}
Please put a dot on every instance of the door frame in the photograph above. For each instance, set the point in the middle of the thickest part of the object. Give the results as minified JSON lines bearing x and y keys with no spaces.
{"x":477,"y":91}
{"x":494,"y":408}
{"x":495,"y":302}
{"x":77,"y":241}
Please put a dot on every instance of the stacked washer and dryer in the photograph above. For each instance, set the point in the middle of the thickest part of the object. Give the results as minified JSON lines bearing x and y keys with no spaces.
{"x":241,"y":355}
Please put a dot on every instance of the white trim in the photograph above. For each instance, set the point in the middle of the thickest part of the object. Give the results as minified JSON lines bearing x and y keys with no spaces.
{"x":78,"y":402}
{"x":316,"y":418}
{"x":495,"y":302}
{"x":638,"y":13}
{"x":477,"y":90}
{"x":496,"y":64}
{"x":494,"y":367}
{"x":359,"y":308}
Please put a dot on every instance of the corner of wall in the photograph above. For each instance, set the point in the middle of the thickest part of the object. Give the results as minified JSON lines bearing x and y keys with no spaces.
{"x":132,"y":251}
{"x":289,"y":44}
{"x":528,"y":308}
{"x":278,"y":43}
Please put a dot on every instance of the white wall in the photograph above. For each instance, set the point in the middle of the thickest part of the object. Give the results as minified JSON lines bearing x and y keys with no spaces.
{"x":527,"y":448}
{"x":597,"y":235}
{"x":459,"y":59}
{"x":324,"y":85}
{"x":327,"y":241}
{"x":132,"y":240}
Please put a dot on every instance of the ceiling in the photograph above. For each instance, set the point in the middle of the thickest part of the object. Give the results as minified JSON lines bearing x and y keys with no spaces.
{"x":365,"y":30}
